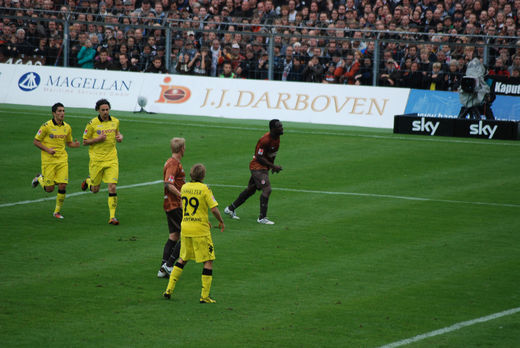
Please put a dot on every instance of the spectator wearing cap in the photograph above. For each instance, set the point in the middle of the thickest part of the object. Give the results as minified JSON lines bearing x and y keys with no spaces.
{"x":21,"y":46}
{"x":390,"y":75}
{"x":145,"y":9}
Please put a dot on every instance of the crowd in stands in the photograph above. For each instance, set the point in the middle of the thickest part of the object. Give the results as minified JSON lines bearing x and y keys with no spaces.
{"x":324,"y":41}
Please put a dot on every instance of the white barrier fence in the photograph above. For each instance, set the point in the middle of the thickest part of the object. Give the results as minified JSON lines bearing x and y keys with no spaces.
{"x":204,"y":96}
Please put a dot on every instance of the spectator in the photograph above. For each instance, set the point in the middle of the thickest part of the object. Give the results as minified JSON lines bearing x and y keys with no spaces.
{"x":412,"y":78}
{"x":365,"y":73}
{"x":156,"y":66}
{"x":201,"y":63}
{"x":435,"y":80}
{"x":313,"y":72}
{"x":390,"y":75}
{"x":453,"y":76}
{"x":86,"y":55}
{"x":103,"y":61}
{"x":347,"y":69}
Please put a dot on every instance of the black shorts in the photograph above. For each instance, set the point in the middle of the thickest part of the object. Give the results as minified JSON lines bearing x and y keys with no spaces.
{"x":259,"y":179}
{"x":174,"y":218}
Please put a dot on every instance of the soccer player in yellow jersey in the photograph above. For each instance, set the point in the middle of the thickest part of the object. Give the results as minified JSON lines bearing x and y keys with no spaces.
{"x":101,"y":134}
{"x":196,"y":242}
{"x":51,"y":139}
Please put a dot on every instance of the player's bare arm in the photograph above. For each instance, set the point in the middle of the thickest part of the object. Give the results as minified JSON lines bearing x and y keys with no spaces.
{"x":216,"y":214}
{"x":119,"y":137}
{"x":98,"y":139}
{"x":264,"y":161}
{"x":38,"y":144}
{"x":74,"y":143}
{"x":171,"y":188}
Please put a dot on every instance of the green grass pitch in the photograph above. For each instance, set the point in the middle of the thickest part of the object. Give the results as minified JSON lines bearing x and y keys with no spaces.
{"x":378,"y":238}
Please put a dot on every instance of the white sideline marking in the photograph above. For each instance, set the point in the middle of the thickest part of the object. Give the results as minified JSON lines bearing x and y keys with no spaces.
{"x":288,"y":190}
{"x":452,"y":328}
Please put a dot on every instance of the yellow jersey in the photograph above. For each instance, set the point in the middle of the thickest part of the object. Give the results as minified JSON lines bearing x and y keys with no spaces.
{"x":197,"y":198}
{"x":54,"y":136}
{"x":104,"y":151}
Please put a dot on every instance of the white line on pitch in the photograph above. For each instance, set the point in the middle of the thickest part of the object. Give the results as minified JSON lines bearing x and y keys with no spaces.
{"x":347,"y":133}
{"x":452,"y":328}
{"x":287,"y":190}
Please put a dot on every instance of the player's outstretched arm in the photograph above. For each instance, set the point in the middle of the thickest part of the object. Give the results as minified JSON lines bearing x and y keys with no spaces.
{"x":217,"y":215}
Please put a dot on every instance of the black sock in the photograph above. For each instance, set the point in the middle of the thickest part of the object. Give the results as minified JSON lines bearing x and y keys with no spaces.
{"x":263,"y":206}
{"x":174,"y":255}
{"x":168,"y":249}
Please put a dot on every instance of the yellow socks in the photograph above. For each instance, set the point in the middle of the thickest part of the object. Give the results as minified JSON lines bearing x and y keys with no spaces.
{"x":207,"y":278}
{"x":60,"y":197}
{"x":112,"y":204}
{"x":176,"y":274}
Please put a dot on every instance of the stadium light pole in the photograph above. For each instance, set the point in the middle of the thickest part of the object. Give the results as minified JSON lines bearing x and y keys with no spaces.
{"x":168,"y":47}
{"x":65,"y":43}
{"x":270,"y":74}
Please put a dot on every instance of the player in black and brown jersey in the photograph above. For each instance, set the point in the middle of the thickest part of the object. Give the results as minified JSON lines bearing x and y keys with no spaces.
{"x":263,"y":160}
{"x":174,"y":179}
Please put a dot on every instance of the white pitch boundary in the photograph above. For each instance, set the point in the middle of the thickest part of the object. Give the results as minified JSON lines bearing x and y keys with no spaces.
{"x":347,"y":133}
{"x":409,"y":198}
{"x":454,"y":327}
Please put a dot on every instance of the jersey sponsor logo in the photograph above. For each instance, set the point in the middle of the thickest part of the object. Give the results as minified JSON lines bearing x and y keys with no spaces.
{"x":57,"y":136}
{"x":29,"y":81}
{"x":171,"y":94}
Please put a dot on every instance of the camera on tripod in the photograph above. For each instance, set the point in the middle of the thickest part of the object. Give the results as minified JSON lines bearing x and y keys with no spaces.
{"x":475,"y":94}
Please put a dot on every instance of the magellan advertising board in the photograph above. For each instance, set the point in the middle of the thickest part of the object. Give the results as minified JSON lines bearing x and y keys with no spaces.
{"x":205,"y":96}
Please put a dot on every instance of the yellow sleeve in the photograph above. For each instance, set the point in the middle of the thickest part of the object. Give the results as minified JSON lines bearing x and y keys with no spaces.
{"x":42,"y":132}
{"x":210,"y":199}
{"x":88,"y":131}
{"x":68,"y":139}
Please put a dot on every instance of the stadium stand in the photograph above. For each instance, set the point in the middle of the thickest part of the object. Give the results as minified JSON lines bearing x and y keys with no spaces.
{"x":422,"y":44}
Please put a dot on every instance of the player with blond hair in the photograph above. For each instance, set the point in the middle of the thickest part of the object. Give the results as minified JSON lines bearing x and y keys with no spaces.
{"x":196,"y":241}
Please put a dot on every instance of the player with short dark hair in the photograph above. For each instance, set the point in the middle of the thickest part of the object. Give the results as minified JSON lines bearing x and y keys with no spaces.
{"x":101,"y":135}
{"x":51,"y":138}
{"x":174,"y":178}
{"x":196,"y":241}
{"x":263,"y":160}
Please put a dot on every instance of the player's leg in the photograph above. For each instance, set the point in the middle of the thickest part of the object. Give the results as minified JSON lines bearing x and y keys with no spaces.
{"x":262,"y":180}
{"x":93,"y":181}
{"x":207,"y":279}
{"x":174,"y":277}
{"x":187,"y":253}
{"x":242,"y":197}
{"x":48,"y":176}
{"x":205,"y":252}
{"x":172,"y":246}
{"x":110,"y":176}
{"x":62,"y":179}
